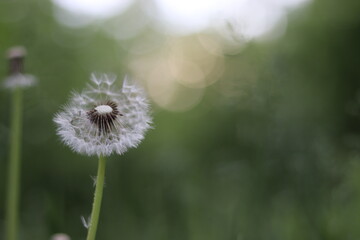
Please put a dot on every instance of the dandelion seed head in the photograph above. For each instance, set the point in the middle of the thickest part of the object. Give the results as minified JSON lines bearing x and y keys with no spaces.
{"x":103,"y":118}
{"x":16,"y":77}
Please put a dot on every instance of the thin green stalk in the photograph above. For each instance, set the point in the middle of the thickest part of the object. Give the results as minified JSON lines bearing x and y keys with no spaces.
{"x":97,"y":199}
{"x":13,"y":183}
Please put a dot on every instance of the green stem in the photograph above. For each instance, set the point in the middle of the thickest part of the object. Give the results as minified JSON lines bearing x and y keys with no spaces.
{"x":13,"y":187}
{"x":97,"y":199}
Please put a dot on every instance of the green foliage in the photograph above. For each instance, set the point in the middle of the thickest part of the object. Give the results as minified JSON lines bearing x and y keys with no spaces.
{"x":271,"y":152}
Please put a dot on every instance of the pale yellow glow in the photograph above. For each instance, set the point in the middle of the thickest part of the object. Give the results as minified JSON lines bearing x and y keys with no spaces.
{"x":176,"y":74}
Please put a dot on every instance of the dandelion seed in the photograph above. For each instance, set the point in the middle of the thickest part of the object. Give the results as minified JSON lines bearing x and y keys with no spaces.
{"x":16,"y":77}
{"x":104,"y":119}
{"x":15,"y":81}
{"x":94,"y":180}
{"x":85,"y":222}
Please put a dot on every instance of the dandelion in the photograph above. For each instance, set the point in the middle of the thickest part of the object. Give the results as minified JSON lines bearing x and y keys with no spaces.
{"x":17,"y":78}
{"x":102,"y":120}
{"x":16,"y":81}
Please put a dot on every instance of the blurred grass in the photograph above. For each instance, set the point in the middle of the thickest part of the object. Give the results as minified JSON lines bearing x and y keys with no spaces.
{"x":271,"y":152}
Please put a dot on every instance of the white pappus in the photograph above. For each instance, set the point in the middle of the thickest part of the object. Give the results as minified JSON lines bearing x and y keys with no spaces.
{"x":104,"y":119}
{"x":19,"y":80}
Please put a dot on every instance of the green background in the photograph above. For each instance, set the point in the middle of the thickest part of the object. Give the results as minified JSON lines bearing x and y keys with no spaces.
{"x":272,"y":151}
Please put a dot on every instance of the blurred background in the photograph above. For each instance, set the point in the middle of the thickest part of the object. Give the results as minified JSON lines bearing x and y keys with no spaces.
{"x":256,"y":108}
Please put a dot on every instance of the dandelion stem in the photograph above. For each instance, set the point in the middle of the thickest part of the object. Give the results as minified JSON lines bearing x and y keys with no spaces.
{"x":13,"y":187}
{"x":97,"y":199}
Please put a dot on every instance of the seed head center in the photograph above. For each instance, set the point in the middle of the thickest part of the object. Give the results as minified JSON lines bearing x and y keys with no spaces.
{"x":104,"y":109}
{"x":104,"y":116}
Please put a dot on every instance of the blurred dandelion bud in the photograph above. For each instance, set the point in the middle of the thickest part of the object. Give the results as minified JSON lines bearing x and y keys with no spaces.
{"x":104,"y":118}
{"x":16,"y":77}
{"x":60,"y":236}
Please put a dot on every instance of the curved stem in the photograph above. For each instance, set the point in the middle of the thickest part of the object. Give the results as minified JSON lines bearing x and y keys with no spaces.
{"x":13,"y":180}
{"x":97,"y":199}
